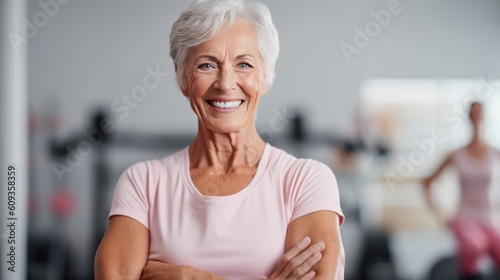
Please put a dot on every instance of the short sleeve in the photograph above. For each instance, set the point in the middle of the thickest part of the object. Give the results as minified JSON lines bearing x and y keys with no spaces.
{"x":313,"y":188}
{"x":130,"y":197}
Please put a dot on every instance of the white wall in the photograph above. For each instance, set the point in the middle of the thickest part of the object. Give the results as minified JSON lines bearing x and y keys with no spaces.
{"x":91,"y":52}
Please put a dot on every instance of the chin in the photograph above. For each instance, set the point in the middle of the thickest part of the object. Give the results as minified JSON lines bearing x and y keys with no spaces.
{"x":229,"y":129}
{"x":226,"y":128}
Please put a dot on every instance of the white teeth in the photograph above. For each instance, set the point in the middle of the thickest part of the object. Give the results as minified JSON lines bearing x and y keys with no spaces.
{"x":225,"y":105}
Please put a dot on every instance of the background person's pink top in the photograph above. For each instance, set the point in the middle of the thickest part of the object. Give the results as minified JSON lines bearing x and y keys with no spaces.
{"x":239,"y":236}
{"x":477,"y":179}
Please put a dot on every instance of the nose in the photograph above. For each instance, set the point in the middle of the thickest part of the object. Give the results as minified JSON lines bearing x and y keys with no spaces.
{"x":226,"y":80}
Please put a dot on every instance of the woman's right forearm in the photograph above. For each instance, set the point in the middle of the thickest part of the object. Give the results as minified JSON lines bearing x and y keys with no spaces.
{"x":155,"y":270}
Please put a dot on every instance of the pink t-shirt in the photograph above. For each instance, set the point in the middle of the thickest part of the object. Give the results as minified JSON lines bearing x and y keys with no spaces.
{"x":239,"y":236}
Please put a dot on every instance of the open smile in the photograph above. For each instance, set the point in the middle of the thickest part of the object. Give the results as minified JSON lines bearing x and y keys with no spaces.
{"x":225,"y":104}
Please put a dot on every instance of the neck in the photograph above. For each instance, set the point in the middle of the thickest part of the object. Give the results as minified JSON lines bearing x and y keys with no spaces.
{"x":478,"y":136}
{"x":224,"y":151}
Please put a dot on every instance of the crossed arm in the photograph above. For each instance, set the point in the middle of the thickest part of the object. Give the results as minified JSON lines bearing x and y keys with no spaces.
{"x":321,"y":226}
{"x":124,"y":249}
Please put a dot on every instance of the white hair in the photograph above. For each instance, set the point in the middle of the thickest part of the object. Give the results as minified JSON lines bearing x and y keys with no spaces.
{"x":203,"y":19}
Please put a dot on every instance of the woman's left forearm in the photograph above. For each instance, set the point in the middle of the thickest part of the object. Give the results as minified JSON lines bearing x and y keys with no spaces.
{"x":321,"y":226}
{"x":332,"y":265}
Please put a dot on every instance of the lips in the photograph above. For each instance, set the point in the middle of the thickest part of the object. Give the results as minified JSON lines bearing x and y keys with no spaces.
{"x":225,"y":104}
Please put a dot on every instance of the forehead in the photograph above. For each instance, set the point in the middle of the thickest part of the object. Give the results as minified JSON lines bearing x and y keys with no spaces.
{"x":476,"y":106}
{"x":233,"y":39}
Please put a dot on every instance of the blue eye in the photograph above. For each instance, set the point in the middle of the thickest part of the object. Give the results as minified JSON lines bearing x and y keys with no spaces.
{"x":205,"y":66}
{"x":244,"y":65}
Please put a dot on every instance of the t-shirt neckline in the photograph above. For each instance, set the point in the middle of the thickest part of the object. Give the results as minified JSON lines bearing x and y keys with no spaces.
{"x":261,"y":167}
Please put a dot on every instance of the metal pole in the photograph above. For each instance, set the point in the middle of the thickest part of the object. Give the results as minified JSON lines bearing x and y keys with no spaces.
{"x":13,"y":144}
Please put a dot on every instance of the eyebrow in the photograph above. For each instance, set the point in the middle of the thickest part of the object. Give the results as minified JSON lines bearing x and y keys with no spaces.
{"x":245,"y":56}
{"x":213,"y":58}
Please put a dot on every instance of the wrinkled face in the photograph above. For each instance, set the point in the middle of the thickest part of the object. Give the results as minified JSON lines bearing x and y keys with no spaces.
{"x":223,"y":78}
{"x":476,"y":113}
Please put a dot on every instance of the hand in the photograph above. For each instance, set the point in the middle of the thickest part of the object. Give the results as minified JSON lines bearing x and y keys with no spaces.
{"x":299,"y":261}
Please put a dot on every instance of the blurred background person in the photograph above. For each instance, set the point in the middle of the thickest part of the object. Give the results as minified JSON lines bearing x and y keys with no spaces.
{"x":473,"y":225}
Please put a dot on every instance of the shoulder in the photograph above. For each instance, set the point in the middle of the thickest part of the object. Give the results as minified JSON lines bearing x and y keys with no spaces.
{"x":138,"y":185}
{"x":299,"y":170}
{"x":151,"y":170}
{"x":277,"y":155}
{"x":456,"y":155}
{"x":309,"y":171}
{"x":280,"y":157}
{"x":495,"y":154}
{"x":308,"y":185}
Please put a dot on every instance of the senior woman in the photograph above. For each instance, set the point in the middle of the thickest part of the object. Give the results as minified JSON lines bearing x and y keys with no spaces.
{"x":229,"y":206}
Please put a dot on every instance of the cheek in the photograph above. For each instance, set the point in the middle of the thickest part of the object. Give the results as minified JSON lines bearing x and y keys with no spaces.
{"x":199,"y":84}
{"x":251,"y":83}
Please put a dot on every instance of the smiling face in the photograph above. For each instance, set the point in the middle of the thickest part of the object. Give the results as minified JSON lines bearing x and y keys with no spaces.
{"x":223,"y":77}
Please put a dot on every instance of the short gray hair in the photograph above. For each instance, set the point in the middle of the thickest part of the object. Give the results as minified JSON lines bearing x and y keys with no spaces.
{"x":203,"y":19}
